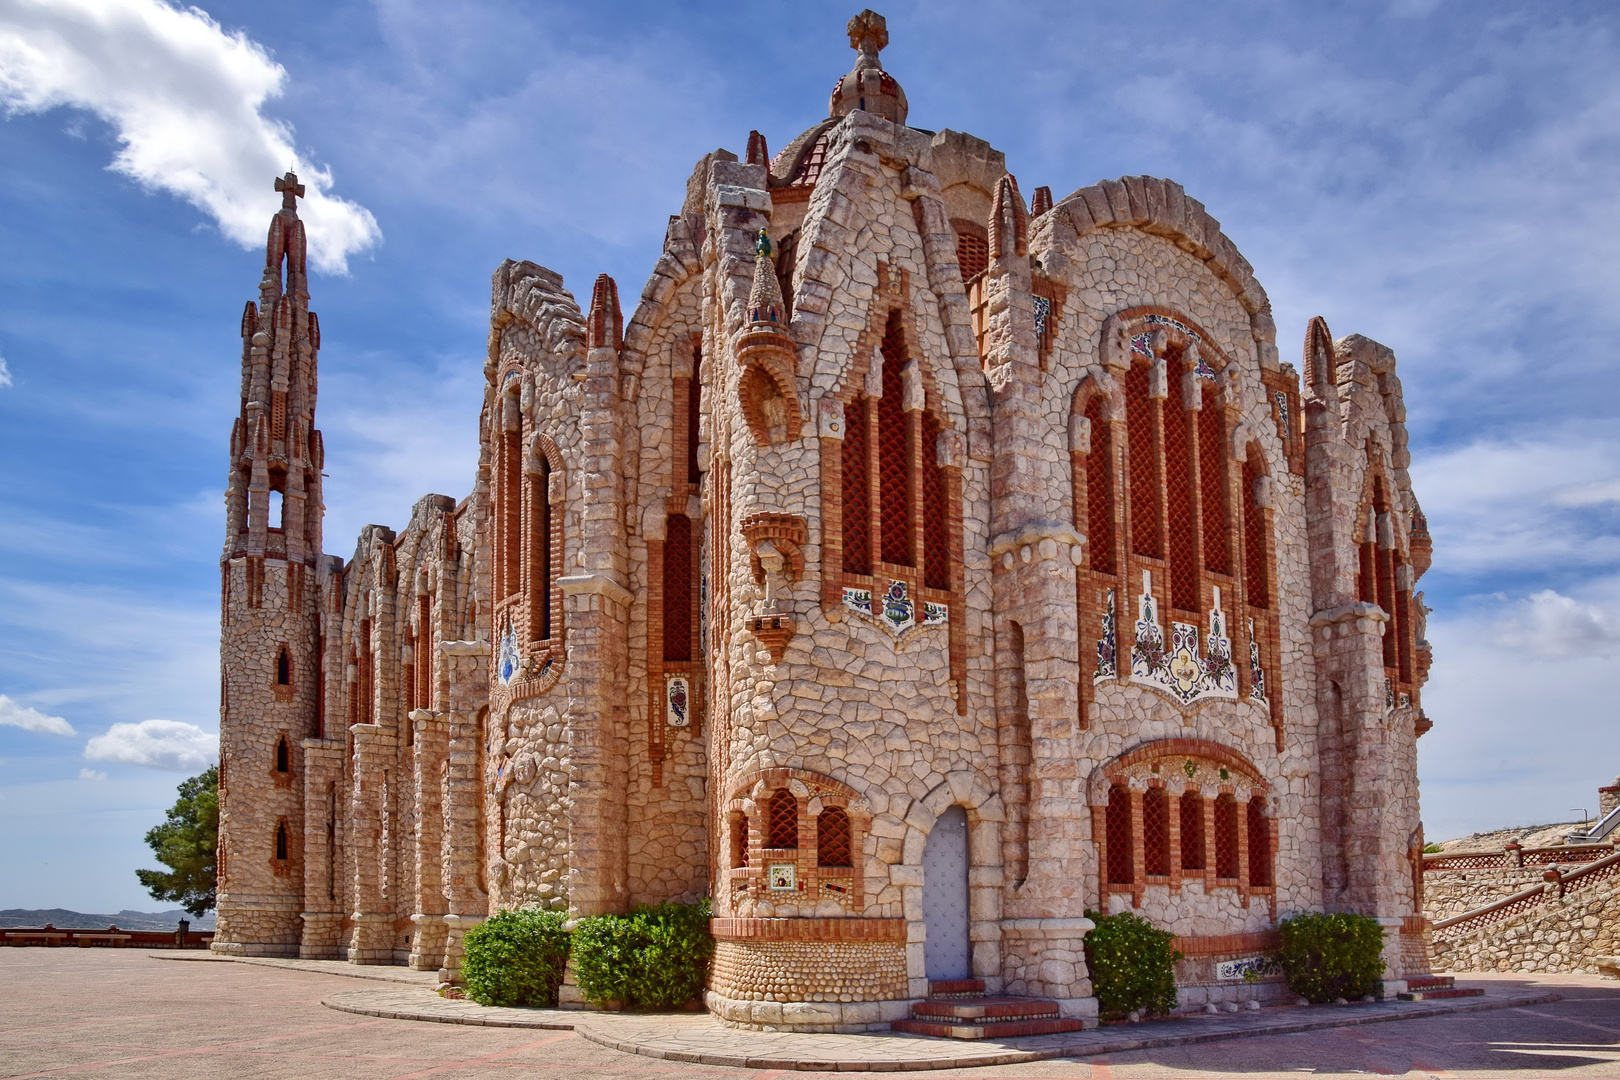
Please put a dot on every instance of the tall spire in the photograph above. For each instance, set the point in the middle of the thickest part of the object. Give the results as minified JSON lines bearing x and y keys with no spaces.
{"x":765,"y":298}
{"x":868,"y":86}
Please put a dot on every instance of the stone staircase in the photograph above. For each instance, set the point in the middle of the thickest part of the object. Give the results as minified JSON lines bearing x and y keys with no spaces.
{"x":1435,"y":987}
{"x":958,"y":1009}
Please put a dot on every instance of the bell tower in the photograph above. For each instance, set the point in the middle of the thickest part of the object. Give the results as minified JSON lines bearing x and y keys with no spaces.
{"x":271,"y":682}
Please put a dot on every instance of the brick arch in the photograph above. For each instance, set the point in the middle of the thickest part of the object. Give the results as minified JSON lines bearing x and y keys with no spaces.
{"x":884,"y":301}
{"x":820,"y":784}
{"x":541,"y":443}
{"x":1134,"y":319}
{"x":1094,"y":386}
{"x":1102,"y":776}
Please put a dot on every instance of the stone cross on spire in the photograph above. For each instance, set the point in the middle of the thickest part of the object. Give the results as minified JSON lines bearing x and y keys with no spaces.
{"x":868,"y":35}
{"x":291,"y":190}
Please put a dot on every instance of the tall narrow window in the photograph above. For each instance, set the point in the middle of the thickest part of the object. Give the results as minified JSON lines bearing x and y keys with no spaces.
{"x":1226,"y":837}
{"x":782,"y":819}
{"x":424,"y":651}
{"x":1180,"y":507}
{"x":1254,"y":536}
{"x":1117,"y":828}
{"x":1192,"y":830}
{"x":694,"y":399}
{"x":509,"y":498}
{"x":540,"y":554}
{"x":1402,"y":630}
{"x":281,"y":840}
{"x":833,"y":837}
{"x":894,"y":456}
{"x":275,"y":513}
{"x":1212,"y":489}
{"x":936,"y":564}
{"x":282,"y":764}
{"x":739,"y":839}
{"x":1156,"y":832}
{"x":367,"y":688}
{"x":283,"y":667}
{"x":1259,"y":845}
{"x":1144,"y":463}
{"x":856,"y":480}
{"x":678,"y":589}
{"x":972,"y":248}
{"x":1100,"y":491}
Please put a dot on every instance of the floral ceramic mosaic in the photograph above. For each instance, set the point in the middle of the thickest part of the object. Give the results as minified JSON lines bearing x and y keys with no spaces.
{"x":677,"y":701}
{"x":1107,"y":646}
{"x":1141,"y":344}
{"x":508,"y":662}
{"x":895,"y":608}
{"x":1183,"y":670}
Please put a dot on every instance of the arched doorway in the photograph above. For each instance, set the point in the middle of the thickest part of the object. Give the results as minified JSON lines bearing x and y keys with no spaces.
{"x":945,"y":897}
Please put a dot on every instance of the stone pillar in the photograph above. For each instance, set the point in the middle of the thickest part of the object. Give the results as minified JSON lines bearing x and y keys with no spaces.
{"x":432,"y":757}
{"x":373,"y":935}
{"x":324,"y":797}
{"x":460,"y":698}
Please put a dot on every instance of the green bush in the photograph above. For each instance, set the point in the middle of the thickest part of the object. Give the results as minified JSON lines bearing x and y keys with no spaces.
{"x":516,"y":958}
{"x":1327,"y":957}
{"x":1133,"y":967}
{"x":656,"y":957}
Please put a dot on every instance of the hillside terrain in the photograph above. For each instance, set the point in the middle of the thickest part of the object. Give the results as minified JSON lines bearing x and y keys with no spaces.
{"x":63,"y":919}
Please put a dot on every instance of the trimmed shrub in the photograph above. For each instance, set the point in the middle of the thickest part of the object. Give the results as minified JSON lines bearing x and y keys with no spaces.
{"x":1133,"y":967}
{"x":1327,"y":957}
{"x":656,"y":957}
{"x":516,"y":958}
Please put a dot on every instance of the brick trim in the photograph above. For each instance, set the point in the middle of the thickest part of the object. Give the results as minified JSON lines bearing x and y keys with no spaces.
{"x":808,"y":929}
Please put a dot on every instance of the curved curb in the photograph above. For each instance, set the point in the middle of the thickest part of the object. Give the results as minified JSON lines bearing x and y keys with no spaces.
{"x":868,"y":1053}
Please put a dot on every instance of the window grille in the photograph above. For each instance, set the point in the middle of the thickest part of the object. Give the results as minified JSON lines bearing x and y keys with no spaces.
{"x":782,"y":820}
{"x":1143,"y":468}
{"x":1100,"y":491}
{"x":1259,"y":846}
{"x":1192,"y":831}
{"x":972,"y":250}
{"x":739,"y":840}
{"x":1226,"y":837}
{"x":1156,"y":833}
{"x":1212,"y":489}
{"x":1118,"y":830}
{"x":857,"y":510}
{"x":1254,"y":537}
{"x":678,"y":589}
{"x":894,"y":457}
{"x":833,"y":837}
{"x":540,"y":553}
{"x":936,"y":567}
{"x":1180,"y":508}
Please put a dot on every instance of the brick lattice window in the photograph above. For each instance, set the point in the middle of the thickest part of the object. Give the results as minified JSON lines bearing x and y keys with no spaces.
{"x":894,"y":457}
{"x":1180,"y":507}
{"x":936,"y":565}
{"x":282,"y":755}
{"x":1226,"y":837}
{"x":1156,"y":832}
{"x":509,"y":499}
{"x":1254,"y":537}
{"x":1259,"y":846}
{"x":1100,"y":491}
{"x":833,"y":837}
{"x":1143,"y":470}
{"x":694,"y":400}
{"x":678,"y":589}
{"x":857,"y":503}
{"x":1212,"y":489}
{"x":1192,"y":830}
{"x":739,"y":839}
{"x":540,"y":553}
{"x":1118,"y":831}
{"x":782,"y":820}
{"x":972,"y":248}
{"x":1366,"y":576}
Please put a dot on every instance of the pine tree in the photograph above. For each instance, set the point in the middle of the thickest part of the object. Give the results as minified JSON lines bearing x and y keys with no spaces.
{"x":187,"y":843}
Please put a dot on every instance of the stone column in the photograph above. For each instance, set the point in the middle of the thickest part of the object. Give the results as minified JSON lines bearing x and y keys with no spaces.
{"x":373,"y":938}
{"x":323,"y":884}
{"x":432,"y":757}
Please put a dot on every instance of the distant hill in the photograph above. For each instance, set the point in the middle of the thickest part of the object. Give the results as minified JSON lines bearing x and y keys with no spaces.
{"x":125,"y":920}
{"x":1525,"y":835}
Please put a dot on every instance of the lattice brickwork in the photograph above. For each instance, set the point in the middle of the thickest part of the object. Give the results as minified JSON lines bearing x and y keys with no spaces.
{"x":972,"y":251}
{"x":739,"y":840}
{"x":1192,"y":830}
{"x":936,"y":560}
{"x":857,"y":504}
{"x":894,"y":458}
{"x":833,"y":838}
{"x":678,"y":589}
{"x":1143,"y":467}
{"x":1212,"y":489}
{"x":1259,"y":848}
{"x":1181,"y":507}
{"x":1254,"y":538}
{"x":782,"y":820}
{"x":694,"y":401}
{"x":1100,"y":491}
{"x":1156,"y":832}
{"x":1118,"y":829}
{"x":1226,"y":837}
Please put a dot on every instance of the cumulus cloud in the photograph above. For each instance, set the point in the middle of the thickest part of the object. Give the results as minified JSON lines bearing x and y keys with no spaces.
{"x":91,"y":774}
{"x":1555,"y":626}
{"x":185,"y":98}
{"x":156,"y":744}
{"x":15,"y":715}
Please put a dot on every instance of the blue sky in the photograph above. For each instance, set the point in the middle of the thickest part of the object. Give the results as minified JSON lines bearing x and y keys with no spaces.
{"x":1441,"y":176}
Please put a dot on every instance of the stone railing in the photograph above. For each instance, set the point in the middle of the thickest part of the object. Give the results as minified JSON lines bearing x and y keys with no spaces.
{"x":1513,"y":855}
{"x":1556,"y":885}
{"x":1569,"y":923}
{"x":112,"y":937}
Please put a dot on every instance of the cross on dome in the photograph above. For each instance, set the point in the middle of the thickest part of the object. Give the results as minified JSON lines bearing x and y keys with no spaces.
{"x":291,"y":190}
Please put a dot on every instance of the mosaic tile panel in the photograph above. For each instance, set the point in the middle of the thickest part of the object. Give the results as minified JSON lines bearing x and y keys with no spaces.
{"x":1107,"y":646}
{"x":1182,"y":669}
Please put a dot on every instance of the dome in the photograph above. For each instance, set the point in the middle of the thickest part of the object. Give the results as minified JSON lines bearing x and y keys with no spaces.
{"x":868,"y":86}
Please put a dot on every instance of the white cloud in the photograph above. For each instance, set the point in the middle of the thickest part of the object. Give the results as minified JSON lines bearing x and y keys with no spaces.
{"x":14,"y":715}
{"x":156,"y":744}
{"x":1555,"y":626}
{"x":5,"y":373}
{"x":91,"y":774}
{"x":185,"y":97}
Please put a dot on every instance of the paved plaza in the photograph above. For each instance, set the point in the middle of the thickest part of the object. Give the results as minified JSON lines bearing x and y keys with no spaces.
{"x":119,"y":1013}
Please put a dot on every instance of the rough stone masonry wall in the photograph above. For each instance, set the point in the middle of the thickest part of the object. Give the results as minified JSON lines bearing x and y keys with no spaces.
{"x":1566,"y":935}
{"x":1452,"y":892}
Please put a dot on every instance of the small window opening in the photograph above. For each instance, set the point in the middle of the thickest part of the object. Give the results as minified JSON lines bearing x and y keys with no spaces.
{"x":281,"y":755}
{"x":1226,"y":837}
{"x":1117,"y":828}
{"x":1192,"y":831}
{"x":783,"y":819}
{"x":274,"y":517}
{"x":833,"y":838}
{"x":281,"y":840}
{"x":283,"y":668}
{"x":1156,"y":832}
{"x":739,"y":840}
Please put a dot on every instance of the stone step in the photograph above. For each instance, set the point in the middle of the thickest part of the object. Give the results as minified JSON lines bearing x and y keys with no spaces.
{"x":1011,"y":1029}
{"x":1430,"y":982}
{"x":984,"y":1008}
{"x":1436,"y":995}
{"x":939,"y":988}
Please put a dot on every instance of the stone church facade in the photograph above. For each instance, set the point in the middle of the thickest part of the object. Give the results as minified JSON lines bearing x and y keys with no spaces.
{"x":909,"y":568}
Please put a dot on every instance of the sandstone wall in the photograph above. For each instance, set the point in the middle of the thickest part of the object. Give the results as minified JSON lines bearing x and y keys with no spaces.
{"x":1562,"y":935}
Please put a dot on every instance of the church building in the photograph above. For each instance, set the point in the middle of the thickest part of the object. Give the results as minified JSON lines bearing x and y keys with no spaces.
{"x":910,"y":567}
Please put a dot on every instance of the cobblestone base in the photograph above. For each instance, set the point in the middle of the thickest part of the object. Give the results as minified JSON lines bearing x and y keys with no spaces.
{"x":806,"y":1016}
